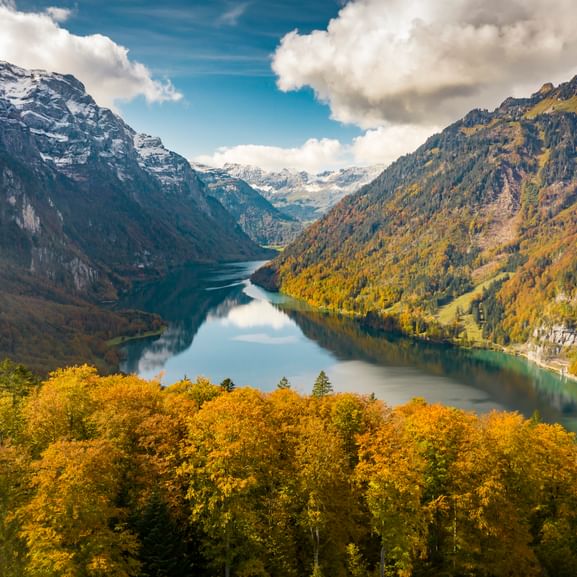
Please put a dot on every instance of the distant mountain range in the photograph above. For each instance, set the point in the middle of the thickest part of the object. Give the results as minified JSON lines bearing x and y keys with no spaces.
{"x":261,"y":221}
{"x":303,"y":195}
{"x":87,"y":205}
{"x":472,"y":237}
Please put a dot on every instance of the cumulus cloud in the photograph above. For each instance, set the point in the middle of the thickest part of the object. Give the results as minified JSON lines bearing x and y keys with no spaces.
{"x":37,"y":40}
{"x":58,"y":14}
{"x":313,"y":156}
{"x":428,"y":62}
{"x":382,"y":145}
{"x":385,"y":144}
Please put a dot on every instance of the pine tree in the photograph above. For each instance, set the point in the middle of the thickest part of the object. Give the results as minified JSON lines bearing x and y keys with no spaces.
{"x":283,"y":384}
{"x":322,"y":386}
{"x":227,"y":385}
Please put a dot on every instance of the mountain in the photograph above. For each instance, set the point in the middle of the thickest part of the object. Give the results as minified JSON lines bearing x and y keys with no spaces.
{"x":260,"y":220}
{"x":87,"y":205}
{"x":472,"y":237}
{"x":301,"y":194}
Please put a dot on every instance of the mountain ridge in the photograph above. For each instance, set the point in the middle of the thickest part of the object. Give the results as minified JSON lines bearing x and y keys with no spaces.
{"x":304,"y":195}
{"x":87,"y":205}
{"x":494,"y":192}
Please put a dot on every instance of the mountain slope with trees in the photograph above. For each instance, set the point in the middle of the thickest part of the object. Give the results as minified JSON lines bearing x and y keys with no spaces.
{"x":485,"y":211}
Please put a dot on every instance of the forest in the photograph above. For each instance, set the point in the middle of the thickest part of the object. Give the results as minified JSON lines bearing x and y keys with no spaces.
{"x":118,"y":476}
{"x":489,"y":202}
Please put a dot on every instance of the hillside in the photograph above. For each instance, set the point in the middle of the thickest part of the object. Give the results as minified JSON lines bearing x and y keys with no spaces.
{"x":87,"y":205}
{"x":301,"y":194}
{"x":260,"y":220}
{"x":494,"y":193}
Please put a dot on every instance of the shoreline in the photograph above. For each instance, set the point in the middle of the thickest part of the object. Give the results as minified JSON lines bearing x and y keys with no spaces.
{"x":555,"y":364}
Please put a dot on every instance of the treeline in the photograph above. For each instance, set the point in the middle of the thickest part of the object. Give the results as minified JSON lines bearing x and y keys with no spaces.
{"x":121,"y":477}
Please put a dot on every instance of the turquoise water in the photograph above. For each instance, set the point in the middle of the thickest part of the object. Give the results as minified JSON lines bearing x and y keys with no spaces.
{"x":220,"y":325}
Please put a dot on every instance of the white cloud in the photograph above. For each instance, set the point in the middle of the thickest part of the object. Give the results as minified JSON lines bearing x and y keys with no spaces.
{"x":36,"y":40}
{"x":313,"y":156}
{"x":385,"y":144}
{"x":382,"y":145}
{"x":264,"y":339}
{"x":429,"y":61}
{"x":58,"y":14}
{"x":231,"y":16}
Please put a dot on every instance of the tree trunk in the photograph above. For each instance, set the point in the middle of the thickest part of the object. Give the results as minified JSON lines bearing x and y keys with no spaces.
{"x":382,"y":566}
{"x":317,"y":541}
{"x":227,"y":556}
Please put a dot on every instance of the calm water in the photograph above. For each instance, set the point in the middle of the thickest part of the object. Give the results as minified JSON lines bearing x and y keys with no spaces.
{"x":220,"y":325}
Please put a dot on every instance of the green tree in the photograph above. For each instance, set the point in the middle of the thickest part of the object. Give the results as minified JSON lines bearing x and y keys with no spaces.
{"x":227,"y":385}
{"x":14,"y":481}
{"x":322,"y":386}
{"x":16,"y":384}
{"x":283,"y":384}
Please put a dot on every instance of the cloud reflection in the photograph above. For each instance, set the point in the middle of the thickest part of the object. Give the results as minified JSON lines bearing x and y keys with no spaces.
{"x":256,"y":314}
{"x":264,"y":339}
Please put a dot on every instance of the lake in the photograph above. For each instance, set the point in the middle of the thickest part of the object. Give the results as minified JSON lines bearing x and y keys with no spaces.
{"x":221,"y":325}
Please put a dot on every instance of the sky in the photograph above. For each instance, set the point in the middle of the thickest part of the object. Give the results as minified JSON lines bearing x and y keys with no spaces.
{"x":305,"y":84}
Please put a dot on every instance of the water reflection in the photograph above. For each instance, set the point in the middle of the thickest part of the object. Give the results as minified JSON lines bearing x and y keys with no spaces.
{"x":221,"y":326}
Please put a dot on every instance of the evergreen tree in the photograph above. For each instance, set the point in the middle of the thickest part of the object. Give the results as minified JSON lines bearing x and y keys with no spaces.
{"x":322,"y":386}
{"x":227,"y":385}
{"x":162,"y":551}
{"x":283,"y":384}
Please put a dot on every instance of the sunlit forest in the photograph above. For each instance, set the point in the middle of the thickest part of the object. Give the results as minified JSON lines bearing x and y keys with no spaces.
{"x":117,"y":476}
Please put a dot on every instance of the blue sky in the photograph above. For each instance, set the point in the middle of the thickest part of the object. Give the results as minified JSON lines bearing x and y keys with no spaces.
{"x":218,"y":55}
{"x":292,"y":83}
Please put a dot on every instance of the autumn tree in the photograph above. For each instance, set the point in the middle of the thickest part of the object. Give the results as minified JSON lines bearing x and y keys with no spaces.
{"x":72,"y":524}
{"x":324,"y":491}
{"x":62,"y":408}
{"x":230,"y":465}
{"x":391,"y":474}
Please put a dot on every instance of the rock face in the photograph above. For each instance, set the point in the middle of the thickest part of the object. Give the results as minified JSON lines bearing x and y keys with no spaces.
{"x":301,"y":194}
{"x":261,"y":221}
{"x":86,"y":206}
{"x":86,"y":203}
{"x":494,"y":193}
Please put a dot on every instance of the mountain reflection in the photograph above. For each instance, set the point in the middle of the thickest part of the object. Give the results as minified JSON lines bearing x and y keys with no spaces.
{"x":221,"y":325}
{"x":511,"y":382}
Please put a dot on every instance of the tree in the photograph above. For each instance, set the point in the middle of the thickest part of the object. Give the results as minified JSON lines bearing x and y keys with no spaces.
{"x":72,"y":524}
{"x":323,"y":489}
{"x":14,"y":481}
{"x":227,"y":385}
{"x":283,"y":384}
{"x":230,"y":464}
{"x":16,"y":384}
{"x":392,"y":475}
{"x":62,"y":408}
{"x":322,"y":386}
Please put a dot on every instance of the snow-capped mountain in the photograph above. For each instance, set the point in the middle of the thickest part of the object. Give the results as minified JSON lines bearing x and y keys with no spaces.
{"x":304,"y":195}
{"x":264,"y":223}
{"x":85,"y":200}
